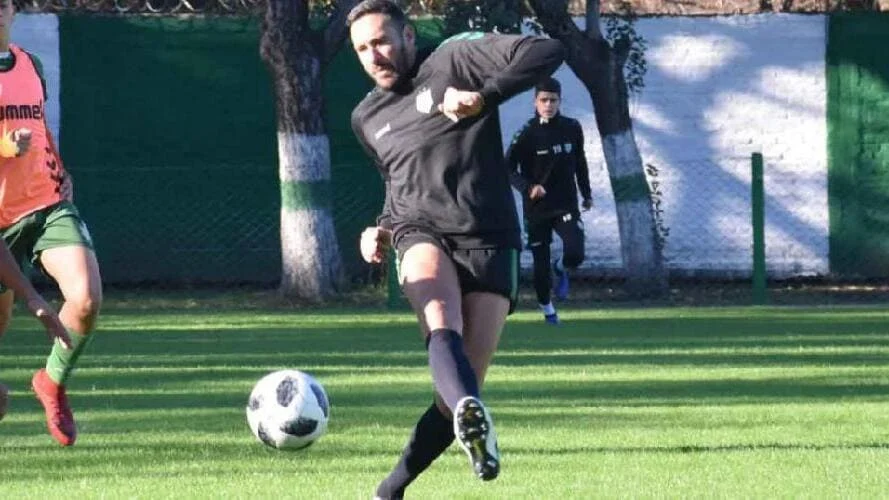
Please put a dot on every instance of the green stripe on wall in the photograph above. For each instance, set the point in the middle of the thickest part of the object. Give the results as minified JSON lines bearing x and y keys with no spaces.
{"x":858,"y":143}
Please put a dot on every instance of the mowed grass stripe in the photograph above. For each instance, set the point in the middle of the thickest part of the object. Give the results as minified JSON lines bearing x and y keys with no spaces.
{"x":615,"y":403}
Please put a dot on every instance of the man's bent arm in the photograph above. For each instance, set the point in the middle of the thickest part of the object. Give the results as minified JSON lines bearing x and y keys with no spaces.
{"x":506,"y":64}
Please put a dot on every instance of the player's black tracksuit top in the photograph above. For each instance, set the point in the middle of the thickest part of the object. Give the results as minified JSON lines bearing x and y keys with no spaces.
{"x":550,"y":153}
{"x":449,"y":177}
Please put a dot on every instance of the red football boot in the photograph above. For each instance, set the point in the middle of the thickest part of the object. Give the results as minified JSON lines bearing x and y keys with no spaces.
{"x":59,"y":419}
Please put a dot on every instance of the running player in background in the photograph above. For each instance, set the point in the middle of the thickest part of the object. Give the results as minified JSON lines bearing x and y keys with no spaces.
{"x":547,"y":164}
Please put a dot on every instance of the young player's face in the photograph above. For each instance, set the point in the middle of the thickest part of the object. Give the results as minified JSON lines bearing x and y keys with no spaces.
{"x":385,"y":51}
{"x":546,"y":103}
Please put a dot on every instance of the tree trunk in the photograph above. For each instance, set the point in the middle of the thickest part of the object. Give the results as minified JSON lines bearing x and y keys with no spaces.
{"x":310,"y":257}
{"x":600,"y":68}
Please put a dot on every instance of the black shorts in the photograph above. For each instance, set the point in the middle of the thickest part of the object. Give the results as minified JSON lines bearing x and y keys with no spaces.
{"x":568,"y":225}
{"x":494,"y":270}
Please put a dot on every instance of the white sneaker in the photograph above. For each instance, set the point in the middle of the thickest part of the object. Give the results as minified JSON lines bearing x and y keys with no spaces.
{"x":474,"y":430}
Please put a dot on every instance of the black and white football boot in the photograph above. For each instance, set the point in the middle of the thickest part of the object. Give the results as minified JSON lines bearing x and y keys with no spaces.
{"x":474,"y":430}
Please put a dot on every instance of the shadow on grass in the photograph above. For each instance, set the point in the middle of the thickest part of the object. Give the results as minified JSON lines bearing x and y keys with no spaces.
{"x":670,"y":450}
{"x":738,"y":341}
{"x":172,"y":362}
{"x":177,"y":460}
{"x":181,"y":411}
{"x":559,"y":394}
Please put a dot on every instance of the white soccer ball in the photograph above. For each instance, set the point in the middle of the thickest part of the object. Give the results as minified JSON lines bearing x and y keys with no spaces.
{"x":288,"y":410}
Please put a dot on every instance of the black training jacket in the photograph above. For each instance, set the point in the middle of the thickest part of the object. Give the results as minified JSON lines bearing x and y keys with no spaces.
{"x":549,"y":153}
{"x":451,"y":177}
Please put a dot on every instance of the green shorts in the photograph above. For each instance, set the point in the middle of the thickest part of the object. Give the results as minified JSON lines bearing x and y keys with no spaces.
{"x":55,"y":226}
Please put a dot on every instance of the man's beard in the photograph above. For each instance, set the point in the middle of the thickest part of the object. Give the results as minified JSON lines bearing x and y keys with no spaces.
{"x":398,"y":69}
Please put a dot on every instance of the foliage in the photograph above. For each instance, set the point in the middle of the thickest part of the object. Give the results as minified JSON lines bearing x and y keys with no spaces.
{"x":320,"y":11}
{"x":437,"y":7}
{"x":505,"y":16}
{"x":621,"y":30}
{"x":661,"y":230}
{"x":499,"y":16}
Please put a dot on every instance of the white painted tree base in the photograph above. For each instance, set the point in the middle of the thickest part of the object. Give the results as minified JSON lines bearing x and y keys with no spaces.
{"x":303,"y":158}
{"x":310,"y":256}
{"x":642,"y":260}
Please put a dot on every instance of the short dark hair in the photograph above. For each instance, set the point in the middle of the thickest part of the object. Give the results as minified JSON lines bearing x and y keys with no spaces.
{"x":548,"y":84}
{"x":385,"y":7}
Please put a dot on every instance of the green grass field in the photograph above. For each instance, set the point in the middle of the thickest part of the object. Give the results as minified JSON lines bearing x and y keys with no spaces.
{"x":623,"y":402}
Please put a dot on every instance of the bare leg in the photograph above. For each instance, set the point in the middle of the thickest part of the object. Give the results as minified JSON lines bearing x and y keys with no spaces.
{"x":484,"y":317}
{"x":430,"y":283}
{"x":76,"y":271}
{"x":485,"y":314}
{"x":6,"y":300}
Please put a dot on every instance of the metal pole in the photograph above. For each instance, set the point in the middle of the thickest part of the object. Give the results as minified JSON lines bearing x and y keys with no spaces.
{"x":757,"y":197}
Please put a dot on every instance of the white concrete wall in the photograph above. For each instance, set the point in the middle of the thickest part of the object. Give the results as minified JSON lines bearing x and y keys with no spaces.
{"x":717,"y":90}
{"x":39,"y":35}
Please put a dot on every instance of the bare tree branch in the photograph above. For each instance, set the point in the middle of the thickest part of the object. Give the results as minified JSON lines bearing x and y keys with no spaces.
{"x":336,"y":31}
{"x":622,"y":50}
{"x":555,"y":20}
{"x":593,"y":26}
{"x":292,"y":19}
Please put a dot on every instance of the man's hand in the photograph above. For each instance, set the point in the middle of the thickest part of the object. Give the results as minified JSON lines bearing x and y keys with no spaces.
{"x":66,"y":189}
{"x":586,"y":204}
{"x":535,"y":192}
{"x":47,"y":315}
{"x":458,"y":104}
{"x":22,"y":139}
{"x":14,"y":143}
{"x":375,"y":242}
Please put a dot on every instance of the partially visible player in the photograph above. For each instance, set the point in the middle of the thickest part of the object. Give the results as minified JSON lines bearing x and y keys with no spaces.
{"x":548,"y":164}
{"x":12,"y":277}
{"x":432,"y":126}
{"x":40,"y":224}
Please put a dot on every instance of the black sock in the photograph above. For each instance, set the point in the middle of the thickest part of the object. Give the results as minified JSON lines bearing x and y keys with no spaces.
{"x":431,"y":437}
{"x":452,"y":374}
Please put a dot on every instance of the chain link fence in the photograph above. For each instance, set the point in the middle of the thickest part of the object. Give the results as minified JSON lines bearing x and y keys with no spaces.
{"x":165,"y":7}
{"x":182,"y":189}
